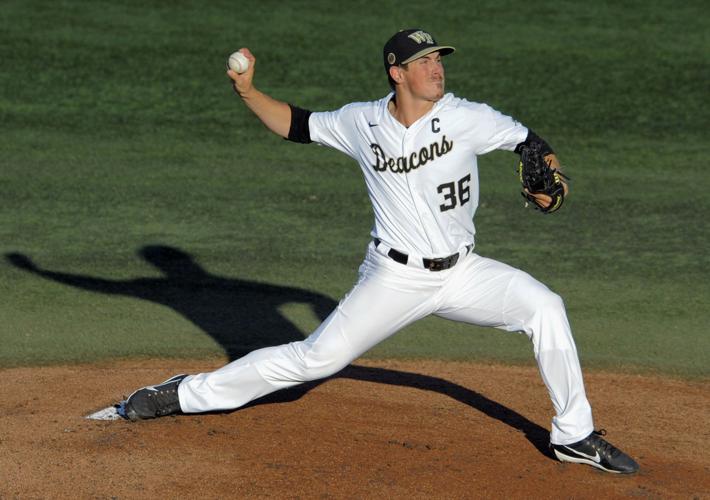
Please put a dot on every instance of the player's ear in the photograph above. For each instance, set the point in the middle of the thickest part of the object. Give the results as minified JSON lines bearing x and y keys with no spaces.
{"x":396,"y":74}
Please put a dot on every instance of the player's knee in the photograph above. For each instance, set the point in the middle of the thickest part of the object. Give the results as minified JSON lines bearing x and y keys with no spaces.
{"x":323,"y":368}
{"x":551,"y":311}
{"x":328,"y":369}
{"x":550,"y":302}
{"x":541,"y":302}
{"x":317,"y":363}
{"x":543,"y":309}
{"x":534,"y":297}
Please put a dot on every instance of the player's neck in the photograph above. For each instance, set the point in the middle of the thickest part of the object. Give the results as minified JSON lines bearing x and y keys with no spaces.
{"x":407,"y":110}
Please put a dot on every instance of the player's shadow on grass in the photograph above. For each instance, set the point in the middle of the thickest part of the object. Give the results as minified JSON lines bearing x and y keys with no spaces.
{"x":244,"y":315}
{"x":238,"y":314}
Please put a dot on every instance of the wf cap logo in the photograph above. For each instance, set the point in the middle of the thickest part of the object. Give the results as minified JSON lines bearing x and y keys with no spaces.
{"x":407,"y":45}
{"x":418,"y":37}
{"x":422,"y":37}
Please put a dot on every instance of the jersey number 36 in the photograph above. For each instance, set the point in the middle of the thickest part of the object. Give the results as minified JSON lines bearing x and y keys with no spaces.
{"x":451,"y":194}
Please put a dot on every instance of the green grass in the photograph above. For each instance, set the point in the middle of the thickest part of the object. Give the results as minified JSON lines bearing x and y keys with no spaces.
{"x":119,"y":130}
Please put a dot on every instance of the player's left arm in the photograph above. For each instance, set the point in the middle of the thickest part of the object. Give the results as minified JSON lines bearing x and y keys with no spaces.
{"x":551,"y":159}
{"x":499,"y":131}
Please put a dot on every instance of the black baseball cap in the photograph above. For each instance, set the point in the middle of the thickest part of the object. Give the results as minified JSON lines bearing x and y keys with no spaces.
{"x":407,"y":45}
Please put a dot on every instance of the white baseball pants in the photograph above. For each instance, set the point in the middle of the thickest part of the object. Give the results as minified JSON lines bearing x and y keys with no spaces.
{"x":389,"y":296}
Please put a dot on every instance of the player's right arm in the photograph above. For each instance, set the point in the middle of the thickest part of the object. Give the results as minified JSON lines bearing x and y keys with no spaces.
{"x":276,"y":115}
{"x":333,"y":128}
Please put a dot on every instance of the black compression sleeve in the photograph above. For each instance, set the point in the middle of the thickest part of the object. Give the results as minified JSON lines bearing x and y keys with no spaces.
{"x":533,"y":138}
{"x":299,"y":131}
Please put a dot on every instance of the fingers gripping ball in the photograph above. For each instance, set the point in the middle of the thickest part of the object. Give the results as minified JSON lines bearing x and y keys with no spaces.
{"x":238,"y":62}
{"x":537,"y":177}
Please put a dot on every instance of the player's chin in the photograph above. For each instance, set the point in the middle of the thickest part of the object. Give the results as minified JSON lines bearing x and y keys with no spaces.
{"x":435,"y":94}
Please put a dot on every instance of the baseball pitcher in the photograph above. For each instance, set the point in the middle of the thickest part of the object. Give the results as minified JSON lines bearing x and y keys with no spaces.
{"x":417,"y":148}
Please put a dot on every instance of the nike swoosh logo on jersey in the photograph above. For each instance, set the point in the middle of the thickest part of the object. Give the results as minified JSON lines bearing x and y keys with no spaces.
{"x":596,"y":458}
{"x":372,"y":124}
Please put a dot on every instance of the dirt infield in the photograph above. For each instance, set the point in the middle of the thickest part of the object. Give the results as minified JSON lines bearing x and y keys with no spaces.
{"x":377,"y":430}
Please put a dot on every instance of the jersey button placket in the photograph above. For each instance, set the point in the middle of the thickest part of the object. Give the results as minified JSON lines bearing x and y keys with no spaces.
{"x":415,"y":192}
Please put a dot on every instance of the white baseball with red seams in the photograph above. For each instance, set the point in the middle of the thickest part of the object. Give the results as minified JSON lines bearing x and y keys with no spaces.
{"x":238,"y":62}
{"x":422,"y":181}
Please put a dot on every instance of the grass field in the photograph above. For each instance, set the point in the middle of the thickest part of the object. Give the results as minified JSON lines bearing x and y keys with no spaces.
{"x":123,"y":150}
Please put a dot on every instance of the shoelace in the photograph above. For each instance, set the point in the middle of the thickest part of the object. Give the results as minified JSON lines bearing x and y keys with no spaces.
{"x":602,"y":445}
{"x":164,"y":399}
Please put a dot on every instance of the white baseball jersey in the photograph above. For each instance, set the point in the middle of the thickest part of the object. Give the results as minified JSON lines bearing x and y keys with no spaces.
{"x":422,"y":180}
{"x":423,"y":184}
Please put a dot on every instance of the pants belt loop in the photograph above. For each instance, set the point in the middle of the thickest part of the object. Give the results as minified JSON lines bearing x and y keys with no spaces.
{"x":393,"y":254}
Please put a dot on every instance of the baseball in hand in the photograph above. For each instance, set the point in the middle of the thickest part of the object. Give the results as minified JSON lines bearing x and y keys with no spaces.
{"x":238,"y":62}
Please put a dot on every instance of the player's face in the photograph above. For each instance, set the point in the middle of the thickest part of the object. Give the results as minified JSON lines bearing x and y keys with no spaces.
{"x":425,"y":77}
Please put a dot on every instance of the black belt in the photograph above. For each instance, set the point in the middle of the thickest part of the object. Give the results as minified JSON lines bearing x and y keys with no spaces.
{"x":431,"y":264}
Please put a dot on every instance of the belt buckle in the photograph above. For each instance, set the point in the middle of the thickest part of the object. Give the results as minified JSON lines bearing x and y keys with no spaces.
{"x":443,"y":263}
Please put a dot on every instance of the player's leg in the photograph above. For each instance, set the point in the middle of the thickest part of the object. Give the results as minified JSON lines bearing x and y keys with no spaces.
{"x":386,"y":298}
{"x":489,"y":293}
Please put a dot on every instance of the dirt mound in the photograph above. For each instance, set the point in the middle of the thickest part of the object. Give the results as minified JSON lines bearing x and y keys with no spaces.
{"x":380,"y":429}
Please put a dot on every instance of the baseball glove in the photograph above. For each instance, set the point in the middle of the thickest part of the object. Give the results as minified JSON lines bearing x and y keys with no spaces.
{"x":537,"y":177}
